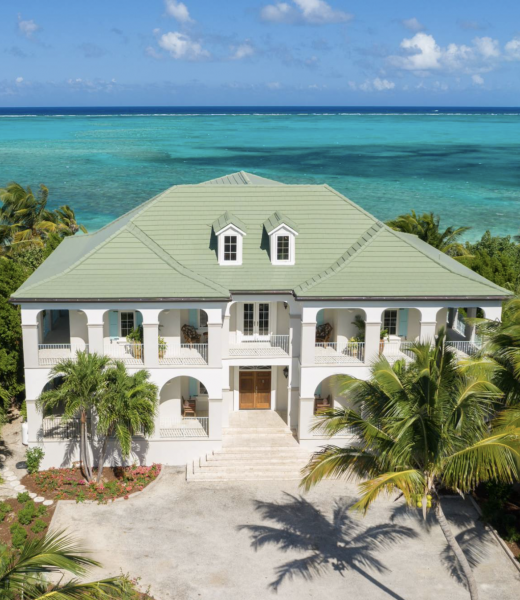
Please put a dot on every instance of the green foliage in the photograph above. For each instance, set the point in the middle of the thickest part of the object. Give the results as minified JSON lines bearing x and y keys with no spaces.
{"x":38,"y":526}
{"x":41,"y":510}
{"x":28,"y":513}
{"x":496,"y":258}
{"x":360,"y":325}
{"x":23,"y":411}
{"x":33,"y":458}
{"x":136,"y":335}
{"x":494,"y":511}
{"x":18,"y":535}
{"x":5,"y":509}
{"x":23,"y":497}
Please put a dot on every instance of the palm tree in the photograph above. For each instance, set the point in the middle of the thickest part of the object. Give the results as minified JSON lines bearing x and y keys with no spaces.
{"x":24,"y":216}
{"x":81,"y":388}
{"x":422,"y":427}
{"x":127,"y":408}
{"x":66,"y":218}
{"x":427,"y":228}
{"x":21,"y":573}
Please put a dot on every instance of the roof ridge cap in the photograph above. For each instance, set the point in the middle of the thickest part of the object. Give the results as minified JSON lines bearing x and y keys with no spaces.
{"x":339,"y":264}
{"x":143,"y":237}
{"x":486,"y":282}
{"x":245,"y":177}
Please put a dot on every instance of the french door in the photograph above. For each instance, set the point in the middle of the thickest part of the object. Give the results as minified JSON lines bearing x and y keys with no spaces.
{"x":256,"y":320}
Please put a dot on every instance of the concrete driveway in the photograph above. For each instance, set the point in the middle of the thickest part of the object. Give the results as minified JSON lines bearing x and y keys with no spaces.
{"x":243,"y":540}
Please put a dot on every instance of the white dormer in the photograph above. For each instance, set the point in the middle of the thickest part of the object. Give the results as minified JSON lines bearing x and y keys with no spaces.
{"x":282,"y":239}
{"x":230,"y":232}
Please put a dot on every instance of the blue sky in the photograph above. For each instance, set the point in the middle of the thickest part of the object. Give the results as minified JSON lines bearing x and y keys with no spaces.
{"x":263,"y":52}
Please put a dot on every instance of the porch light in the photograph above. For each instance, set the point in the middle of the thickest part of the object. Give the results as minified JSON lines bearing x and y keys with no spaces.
{"x":286,"y":372}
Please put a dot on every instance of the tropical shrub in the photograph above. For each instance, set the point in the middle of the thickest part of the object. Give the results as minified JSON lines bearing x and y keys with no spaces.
{"x":5,"y":509}
{"x":33,"y":458}
{"x":23,"y":497}
{"x":28,"y":513}
{"x":18,"y":535}
{"x":38,"y":526}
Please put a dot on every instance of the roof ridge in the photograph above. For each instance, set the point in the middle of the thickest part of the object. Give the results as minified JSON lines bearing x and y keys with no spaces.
{"x":360,"y":244}
{"x":245,"y":177}
{"x":143,"y":237}
{"x":478,"y":279}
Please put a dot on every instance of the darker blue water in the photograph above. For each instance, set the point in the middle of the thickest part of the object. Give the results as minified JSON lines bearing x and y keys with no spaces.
{"x":462,"y":163}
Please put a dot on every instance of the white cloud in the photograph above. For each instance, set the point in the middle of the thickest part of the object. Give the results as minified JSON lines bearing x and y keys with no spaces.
{"x":19,"y":80}
{"x":27,"y":27}
{"x":178,"y":10}
{"x":152,"y":53}
{"x":424,"y":55}
{"x":413,"y":24}
{"x":181,"y":46}
{"x":314,"y":12}
{"x":274,"y":85}
{"x":377,"y":85}
{"x":477,"y":79}
{"x":512,"y":49}
{"x":242,"y":51}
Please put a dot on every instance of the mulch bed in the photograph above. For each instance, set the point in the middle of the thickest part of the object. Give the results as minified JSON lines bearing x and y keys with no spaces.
{"x":12,"y":517}
{"x":70,"y":484}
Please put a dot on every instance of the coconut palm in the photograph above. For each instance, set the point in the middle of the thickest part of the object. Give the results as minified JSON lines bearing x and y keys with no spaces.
{"x":421,"y":427}
{"x":22,"y":573}
{"x":80,"y":389}
{"x":24,"y":216}
{"x":127,"y":408}
{"x":427,"y":228}
{"x":66,"y":218}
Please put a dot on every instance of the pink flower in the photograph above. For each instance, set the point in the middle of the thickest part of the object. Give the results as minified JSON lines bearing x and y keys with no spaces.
{"x":128,"y":488}
{"x":126,"y":497}
{"x":82,"y":482}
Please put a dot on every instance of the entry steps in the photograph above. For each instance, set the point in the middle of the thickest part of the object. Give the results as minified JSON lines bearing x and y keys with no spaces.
{"x":257,"y":448}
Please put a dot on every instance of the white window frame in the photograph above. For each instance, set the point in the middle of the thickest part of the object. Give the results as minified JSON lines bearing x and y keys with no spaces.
{"x":221,"y":235}
{"x":120,"y":312}
{"x":283,"y":231}
{"x":396,"y":320}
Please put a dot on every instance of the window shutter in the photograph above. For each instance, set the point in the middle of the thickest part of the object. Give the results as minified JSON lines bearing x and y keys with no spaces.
{"x":320,"y":317}
{"x":138,"y":319}
{"x":194,"y":317}
{"x":194,"y":386}
{"x":403,"y":322}
{"x":113,"y":323}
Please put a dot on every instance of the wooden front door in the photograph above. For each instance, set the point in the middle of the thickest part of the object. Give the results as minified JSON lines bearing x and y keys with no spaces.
{"x":254,"y":390}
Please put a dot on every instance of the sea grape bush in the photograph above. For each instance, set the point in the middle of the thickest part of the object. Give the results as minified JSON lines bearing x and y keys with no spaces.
{"x":33,"y":458}
{"x":68,"y":484}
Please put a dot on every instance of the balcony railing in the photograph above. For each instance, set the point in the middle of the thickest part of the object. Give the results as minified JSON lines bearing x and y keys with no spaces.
{"x":129,"y":353}
{"x":258,"y":346}
{"x":465,"y":347}
{"x":184,"y":427}
{"x":332,"y":353}
{"x":54,"y":428}
{"x":459,"y":324}
{"x":51,"y":354}
{"x":183,"y":354}
{"x":396,"y":350}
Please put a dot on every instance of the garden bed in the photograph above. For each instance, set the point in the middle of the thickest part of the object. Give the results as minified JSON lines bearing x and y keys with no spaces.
{"x":70,"y":484}
{"x":22,"y":518}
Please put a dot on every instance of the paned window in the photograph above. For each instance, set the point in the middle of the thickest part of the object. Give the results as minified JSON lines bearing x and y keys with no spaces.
{"x":263,"y":319}
{"x":390,"y":321}
{"x":127,"y":323}
{"x":282,"y":247}
{"x":230,"y":248}
{"x":249,"y":319}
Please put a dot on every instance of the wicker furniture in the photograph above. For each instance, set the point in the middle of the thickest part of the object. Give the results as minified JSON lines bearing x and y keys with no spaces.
{"x":189,"y":408}
{"x":323,"y":333}
{"x":321,"y":404}
{"x":191,"y":335}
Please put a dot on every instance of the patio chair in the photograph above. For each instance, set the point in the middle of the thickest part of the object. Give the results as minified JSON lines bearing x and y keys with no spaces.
{"x":323,"y":333}
{"x":189,"y":408}
{"x":321,"y":404}
{"x":191,"y":335}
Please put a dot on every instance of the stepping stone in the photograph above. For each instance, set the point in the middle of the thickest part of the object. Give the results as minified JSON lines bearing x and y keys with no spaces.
{"x":7,"y":473}
{"x":20,"y":488}
{"x":32,"y":495}
{"x":39,"y":499}
{"x":11,"y":478}
{"x":48,"y":502}
{"x":14,"y":483}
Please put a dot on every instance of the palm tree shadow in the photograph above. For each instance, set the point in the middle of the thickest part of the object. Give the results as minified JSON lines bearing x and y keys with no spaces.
{"x":339,"y":543}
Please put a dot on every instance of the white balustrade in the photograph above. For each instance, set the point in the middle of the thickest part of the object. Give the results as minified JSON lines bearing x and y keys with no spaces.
{"x":251,"y":346}
{"x":396,"y":350}
{"x":184,"y":427}
{"x":332,"y":353}
{"x":183,"y":354}
{"x":459,"y":324}
{"x":466,"y":347}
{"x":51,"y":354}
{"x":128,"y":352}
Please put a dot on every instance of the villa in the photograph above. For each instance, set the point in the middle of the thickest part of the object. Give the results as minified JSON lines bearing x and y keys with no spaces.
{"x":251,"y":295}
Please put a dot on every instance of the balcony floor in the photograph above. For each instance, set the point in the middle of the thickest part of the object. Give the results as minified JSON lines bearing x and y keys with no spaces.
{"x":252,"y":349}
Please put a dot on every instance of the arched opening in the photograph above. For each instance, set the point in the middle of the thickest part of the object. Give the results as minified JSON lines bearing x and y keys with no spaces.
{"x":183,"y":336}
{"x":400,"y":328}
{"x":123,"y":335}
{"x":461,"y":332}
{"x":340,"y":335}
{"x":183,"y":408}
{"x":61,"y":334}
{"x":53,"y":427}
{"x":327,"y":396}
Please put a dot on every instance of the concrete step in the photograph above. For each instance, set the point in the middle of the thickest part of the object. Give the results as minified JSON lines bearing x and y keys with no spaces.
{"x":259,"y":442}
{"x":264,"y":456}
{"x":256,"y":431}
{"x":288,"y":461}
{"x":217,"y":477}
{"x":262,"y":450}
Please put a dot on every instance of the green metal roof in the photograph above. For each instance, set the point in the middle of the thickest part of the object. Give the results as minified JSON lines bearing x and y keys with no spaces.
{"x":277,"y":219}
{"x":228,"y":219}
{"x":241,"y":178}
{"x":166,"y":249}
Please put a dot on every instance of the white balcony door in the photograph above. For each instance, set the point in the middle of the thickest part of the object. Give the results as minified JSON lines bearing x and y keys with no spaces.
{"x":256,"y":322}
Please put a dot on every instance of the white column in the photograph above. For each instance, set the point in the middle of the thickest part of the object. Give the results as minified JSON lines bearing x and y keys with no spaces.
{"x":214,"y":336}
{"x":30,"y":345}
{"x":215,"y":418}
{"x":225,"y":336}
{"x":95,"y":330}
{"x":470,"y":329}
{"x":308,"y":343}
{"x":372,"y":341}
{"x":150,"y":336}
{"x":428,"y":323}
{"x":295,"y":334}
{"x":305,"y":417}
{"x":34,"y":420}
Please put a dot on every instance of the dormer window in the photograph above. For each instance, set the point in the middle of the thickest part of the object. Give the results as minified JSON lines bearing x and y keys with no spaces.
{"x":230,"y":232}
{"x":282,"y":233}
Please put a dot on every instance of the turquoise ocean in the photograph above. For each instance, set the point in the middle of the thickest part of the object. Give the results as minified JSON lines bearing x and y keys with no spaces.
{"x":463,"y":164}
